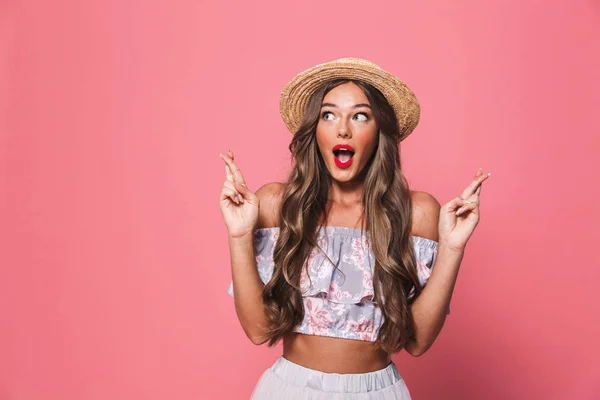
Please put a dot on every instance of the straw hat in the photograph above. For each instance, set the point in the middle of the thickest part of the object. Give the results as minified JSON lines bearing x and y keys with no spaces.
{"x":296,"y":93}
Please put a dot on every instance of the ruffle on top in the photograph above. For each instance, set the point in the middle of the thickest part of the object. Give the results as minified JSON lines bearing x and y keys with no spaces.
{"x":339,"y":301}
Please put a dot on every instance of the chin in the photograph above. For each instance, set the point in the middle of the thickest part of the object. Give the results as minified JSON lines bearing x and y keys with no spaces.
{"x":342,"y":179}
{"x":342,"y":175}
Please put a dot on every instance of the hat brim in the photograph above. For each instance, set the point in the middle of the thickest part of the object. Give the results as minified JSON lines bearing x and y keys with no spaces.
{"x":298,"y":91}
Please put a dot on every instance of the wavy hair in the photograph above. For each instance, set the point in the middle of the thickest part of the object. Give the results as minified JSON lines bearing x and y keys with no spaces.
{"x":387,"y":214}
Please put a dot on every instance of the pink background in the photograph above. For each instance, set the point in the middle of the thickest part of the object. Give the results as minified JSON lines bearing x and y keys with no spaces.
{"x":113,"y":254}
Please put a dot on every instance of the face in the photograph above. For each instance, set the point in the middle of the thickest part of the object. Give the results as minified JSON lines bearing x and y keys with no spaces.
{"x":346,"y":131}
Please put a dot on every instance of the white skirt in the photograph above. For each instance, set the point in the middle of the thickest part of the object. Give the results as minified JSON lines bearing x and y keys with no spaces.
{"x":287,"y":380}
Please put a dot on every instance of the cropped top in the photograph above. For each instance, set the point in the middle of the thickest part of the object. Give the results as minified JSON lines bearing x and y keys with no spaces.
{"x":339,"y":302}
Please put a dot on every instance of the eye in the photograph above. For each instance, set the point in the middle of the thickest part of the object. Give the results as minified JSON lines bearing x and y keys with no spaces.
{"x":363,"y":116}
{"x":327,"y":114}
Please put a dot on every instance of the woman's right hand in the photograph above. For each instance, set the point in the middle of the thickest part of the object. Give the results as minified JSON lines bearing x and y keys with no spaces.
{"x":238,"y":204}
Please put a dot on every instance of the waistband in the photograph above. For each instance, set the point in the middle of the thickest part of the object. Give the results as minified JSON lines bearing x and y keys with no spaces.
{"x":334,"y":382}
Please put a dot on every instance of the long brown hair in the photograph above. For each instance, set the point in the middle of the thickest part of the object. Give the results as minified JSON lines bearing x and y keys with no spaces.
{"x":388,"y":209}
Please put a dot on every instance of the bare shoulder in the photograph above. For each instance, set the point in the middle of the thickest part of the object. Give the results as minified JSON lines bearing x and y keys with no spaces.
{"x":270,"y":195}
{"x":426,"y":215}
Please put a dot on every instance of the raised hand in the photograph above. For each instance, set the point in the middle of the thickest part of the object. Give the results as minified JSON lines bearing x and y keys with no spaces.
{"x":460,"y":216}
{"x":238,"y":204}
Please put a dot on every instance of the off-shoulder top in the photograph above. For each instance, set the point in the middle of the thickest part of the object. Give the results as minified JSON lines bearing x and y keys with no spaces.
{"x":339,"y":302}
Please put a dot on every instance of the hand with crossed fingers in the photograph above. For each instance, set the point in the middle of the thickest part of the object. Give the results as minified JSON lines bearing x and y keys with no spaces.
{"x":238,"y":204}
{"x":460,"y":216}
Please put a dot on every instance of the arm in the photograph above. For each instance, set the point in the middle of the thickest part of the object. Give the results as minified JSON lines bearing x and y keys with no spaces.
{"x":451,"y":225}
{"x":430,"y":308}
{"x":246,"y":281}
{"x":247,"y":287}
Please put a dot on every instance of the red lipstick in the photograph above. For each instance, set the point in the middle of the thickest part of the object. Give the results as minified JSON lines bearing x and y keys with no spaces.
{"x":343,"y":154}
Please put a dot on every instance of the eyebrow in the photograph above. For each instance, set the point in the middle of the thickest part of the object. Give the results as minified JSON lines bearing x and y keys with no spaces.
{"x":354,"y":106}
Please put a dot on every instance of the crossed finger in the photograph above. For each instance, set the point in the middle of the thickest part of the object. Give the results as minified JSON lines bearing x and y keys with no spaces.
{"x":234,"y":170}
{"x":228,"y":173}
{"x":478,"y":191}
{"x":475,"y":186}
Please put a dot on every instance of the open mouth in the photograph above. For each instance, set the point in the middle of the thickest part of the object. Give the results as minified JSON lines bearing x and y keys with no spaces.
{"x":343,"y":155}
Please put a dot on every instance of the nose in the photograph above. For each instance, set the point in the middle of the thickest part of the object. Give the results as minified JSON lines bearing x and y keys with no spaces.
{"x":344,"y":130}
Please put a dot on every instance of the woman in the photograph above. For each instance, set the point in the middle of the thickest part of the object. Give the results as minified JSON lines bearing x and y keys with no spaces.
{"x":334,"y":262}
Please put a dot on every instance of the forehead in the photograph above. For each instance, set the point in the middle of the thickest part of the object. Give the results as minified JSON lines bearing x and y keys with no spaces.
{"x":346,"y":94}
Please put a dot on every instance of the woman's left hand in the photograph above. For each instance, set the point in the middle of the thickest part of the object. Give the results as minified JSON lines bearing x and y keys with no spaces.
{"x":460,"y":216}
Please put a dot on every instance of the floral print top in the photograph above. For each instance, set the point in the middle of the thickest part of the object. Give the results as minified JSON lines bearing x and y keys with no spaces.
{"x":338,"y":302}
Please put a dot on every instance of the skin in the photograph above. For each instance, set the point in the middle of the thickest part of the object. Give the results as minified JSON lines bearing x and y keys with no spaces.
{"x":450,"y":225}
{"x":346,"y":118}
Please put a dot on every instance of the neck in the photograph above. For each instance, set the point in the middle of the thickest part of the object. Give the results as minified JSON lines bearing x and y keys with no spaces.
{"x":346,"y":193}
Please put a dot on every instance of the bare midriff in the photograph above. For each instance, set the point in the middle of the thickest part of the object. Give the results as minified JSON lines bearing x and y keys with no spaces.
{"x":329,"y":354}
